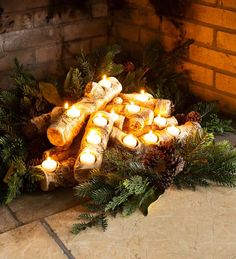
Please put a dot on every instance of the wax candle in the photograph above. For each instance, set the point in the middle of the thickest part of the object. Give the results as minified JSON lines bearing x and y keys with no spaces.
{"x":172,"y":130}
{"x":132,"y":108}
{"x":73,"y":112}
{"x":150,"y":138}
{"x":118,"y":100}
{"x":49,"y":165}
{"x":94,"y":138}
{"x":105,"y":82}
{"x":142,"y":97}
{"x":66,"y":105}
{"x":130,"y":141}
{"x":160,"y":121}
{"x":100,"y":121}
{"x":114,"y":116}
{"x":87,"y":158}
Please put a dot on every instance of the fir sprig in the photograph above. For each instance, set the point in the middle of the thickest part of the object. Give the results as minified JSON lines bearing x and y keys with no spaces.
{"x":89,"y":221}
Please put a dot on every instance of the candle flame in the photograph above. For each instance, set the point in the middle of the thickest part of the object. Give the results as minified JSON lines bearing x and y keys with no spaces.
{"x":142,"y":92}
{"x":66,"y":105}
{"x":104,"y":77}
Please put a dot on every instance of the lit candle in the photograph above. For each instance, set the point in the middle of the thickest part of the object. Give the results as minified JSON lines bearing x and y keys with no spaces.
{"x":150,"y":138}
{"x":118,"y":100}
{"x":142,"y":97}
{"x":114,"y":116}
{"x":66,"y":105}
{"x":87,"y":158}
{"x":73,"y":112}
{"x":160,"y":121}
{"x":130,"y":141}
{"x":105,"y":82}
{"x":100,"y":121}
{"x":172,"y":130}
{"x":49,"y":165}
{"x":132,"y":108}
{"x":94,"y":138}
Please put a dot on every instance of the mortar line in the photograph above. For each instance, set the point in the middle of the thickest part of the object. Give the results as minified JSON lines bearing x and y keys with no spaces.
{"x":14,"y":215}
{"x":56,"y":238}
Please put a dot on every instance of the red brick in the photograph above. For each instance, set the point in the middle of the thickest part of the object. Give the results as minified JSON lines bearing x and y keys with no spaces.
{"x":128,"y":32}
{"x":85,"y":29}
{"x":26,"y":58}
{"x":199,"y":33}
{"x":30,"y":38}
{"x":146,"y":36}
{"x":199,"y":74}
{"x":226,"y":83}
{"x":213,"y":15}
{"x":213,"y":58}
{"x":227,"y":104}
{"x":16,"y":5}
{"x":74,"y":47}
{"x":48,"y":53}
{"x":99,"y":41}
{"x":228,"y":3}
{"x":99,"y":10}
{"x":226,"y":40}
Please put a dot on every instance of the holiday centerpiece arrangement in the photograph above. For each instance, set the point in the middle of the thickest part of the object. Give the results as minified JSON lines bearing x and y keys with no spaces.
{"x":121,"y":139}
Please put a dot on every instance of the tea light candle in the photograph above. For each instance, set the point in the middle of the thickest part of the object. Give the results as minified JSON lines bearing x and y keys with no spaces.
{"x":114,"y":116}
{"x":160,"y":121}
{"x":142,"y":97}
{"x":49,"y":165}
{"x":94,"y":138}
{"x":73,"y":112}
{"x":118,"y":100}
{"x":150,"y":138}
{"x":87,"y":158}
{"x":130,"y":141}
{"x":132,"y":108}
{"x":100,"y":121}
{"x":105,"y":82}
{"x":66,"y":105}
{"x":174,"y":131}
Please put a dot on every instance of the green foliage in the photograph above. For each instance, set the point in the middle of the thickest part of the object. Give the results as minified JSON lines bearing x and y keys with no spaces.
{"x":210,"y":118}
{"x":207,"y":162}
{"x":91,"y":68}
{"x":89,"y":221}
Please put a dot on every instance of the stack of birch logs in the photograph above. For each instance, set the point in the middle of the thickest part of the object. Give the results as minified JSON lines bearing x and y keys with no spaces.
{"x":80,"y":133}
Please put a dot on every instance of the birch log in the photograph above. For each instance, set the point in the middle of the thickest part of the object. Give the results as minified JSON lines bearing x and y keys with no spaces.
{"x":134,"y":97}
{"x":81,"y":168}
{"x":163,"y":107}
{"x":118,"y":135}
{"x":65,"y":129}
{"x":62,"y":176}
{"x":137,"y":121}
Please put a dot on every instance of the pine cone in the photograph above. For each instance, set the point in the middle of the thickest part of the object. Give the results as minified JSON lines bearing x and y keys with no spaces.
{"x":194,"y":116}
{"x":173,"y":169}
{"x":129,"y":66}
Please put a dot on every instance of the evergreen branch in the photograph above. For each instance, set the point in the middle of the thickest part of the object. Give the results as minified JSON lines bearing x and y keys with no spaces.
{"x":99,"y":220}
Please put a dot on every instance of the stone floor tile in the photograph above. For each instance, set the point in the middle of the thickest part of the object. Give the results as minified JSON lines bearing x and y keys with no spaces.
{"x":180,"y":225}
{"x":28,"y":242}
{"x":30,"y":207}
{"x":7,"y":221}
{"x":227,"y":136}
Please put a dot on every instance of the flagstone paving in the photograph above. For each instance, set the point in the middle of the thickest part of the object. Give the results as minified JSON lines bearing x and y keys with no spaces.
{"x":180,"y":225}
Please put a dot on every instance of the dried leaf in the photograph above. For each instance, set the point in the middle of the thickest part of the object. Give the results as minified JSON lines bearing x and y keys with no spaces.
{"x":50,"y":93}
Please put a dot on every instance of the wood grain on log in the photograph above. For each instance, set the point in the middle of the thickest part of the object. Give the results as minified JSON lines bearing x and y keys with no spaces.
{"x":81,"y":169}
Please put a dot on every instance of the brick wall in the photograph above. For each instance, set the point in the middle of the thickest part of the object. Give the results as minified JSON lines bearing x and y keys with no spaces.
{"x":212,"y":59}
{"x":46,"y":47}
